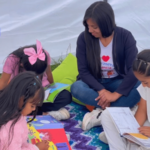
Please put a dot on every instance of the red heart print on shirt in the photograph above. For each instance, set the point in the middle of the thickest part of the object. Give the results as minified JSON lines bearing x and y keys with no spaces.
{"x":105,"y":58}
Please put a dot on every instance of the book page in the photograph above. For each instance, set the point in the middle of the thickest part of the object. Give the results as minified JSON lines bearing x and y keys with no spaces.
{"x":53,"y":90}
{"x":47,"y":94}
{"x":138,"y":135}
{"x":34,"y":137}
{"x":139,"y":139}
{"x":58,"y":86}
{"x":123,"y":119}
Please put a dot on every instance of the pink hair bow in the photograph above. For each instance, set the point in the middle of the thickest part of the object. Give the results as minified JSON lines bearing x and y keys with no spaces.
{"x":33,"y":56}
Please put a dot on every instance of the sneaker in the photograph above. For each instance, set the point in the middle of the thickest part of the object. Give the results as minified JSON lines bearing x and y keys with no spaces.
{"x":103,"y":138}
{"x":91,"y":119}
{"x":61,"y":114}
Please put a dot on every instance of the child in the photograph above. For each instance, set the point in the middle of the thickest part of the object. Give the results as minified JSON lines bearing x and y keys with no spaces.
{"x":17,"y":100}
{"x":35,"y":58}
{"x":141,"y":69}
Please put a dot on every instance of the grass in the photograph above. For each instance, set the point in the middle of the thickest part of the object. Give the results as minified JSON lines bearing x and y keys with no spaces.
{"x":54,"y":66}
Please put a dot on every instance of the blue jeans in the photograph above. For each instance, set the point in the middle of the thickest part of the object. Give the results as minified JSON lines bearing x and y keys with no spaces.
{"x":87,"y":95}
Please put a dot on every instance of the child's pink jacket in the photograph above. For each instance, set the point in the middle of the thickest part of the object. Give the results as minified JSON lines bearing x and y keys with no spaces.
{"x":20,"y":136}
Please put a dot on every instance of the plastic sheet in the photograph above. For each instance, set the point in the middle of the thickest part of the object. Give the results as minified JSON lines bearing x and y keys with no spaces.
{"x":57,"y":23}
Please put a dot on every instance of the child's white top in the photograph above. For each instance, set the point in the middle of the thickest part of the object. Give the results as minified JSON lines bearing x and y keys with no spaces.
{"x":145,"y":94}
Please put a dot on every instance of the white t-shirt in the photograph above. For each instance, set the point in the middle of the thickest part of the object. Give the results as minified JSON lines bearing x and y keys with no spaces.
{"x":107,"y":64}
{"x":145,"y":94}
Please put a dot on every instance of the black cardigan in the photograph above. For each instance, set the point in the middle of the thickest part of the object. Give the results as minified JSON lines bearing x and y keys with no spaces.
{"x":124,"y":52}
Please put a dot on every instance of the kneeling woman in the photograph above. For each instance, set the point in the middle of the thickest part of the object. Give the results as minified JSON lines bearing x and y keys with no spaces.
{"x":105,"y":53}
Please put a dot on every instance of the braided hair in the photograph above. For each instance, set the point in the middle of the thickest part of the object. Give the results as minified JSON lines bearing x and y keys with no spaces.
{"x":24,"y":85}
{"x":142,"y":63}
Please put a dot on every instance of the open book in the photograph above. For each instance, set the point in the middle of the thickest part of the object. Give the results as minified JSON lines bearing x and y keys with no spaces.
{"x":127,"y":125}
{"x":48,"y":128}
{"x":34,"y":137}
{"x":53,"y":90}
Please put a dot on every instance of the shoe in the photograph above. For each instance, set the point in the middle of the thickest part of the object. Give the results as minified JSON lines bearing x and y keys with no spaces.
{"x":61,"y":114}
{"x":103,"y":138}
{"x":91,"y":119}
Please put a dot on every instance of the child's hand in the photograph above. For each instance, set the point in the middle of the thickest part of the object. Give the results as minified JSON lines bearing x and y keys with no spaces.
{"x":44,"y":145}
{"x":145,"y":131}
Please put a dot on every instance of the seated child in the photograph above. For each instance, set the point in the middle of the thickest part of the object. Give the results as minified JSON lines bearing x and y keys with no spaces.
{"x":141,"y":69}
{"x":35,"y":58}
{"x":17,"y":100}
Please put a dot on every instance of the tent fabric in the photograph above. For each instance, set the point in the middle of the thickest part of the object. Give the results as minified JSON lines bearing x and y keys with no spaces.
{"x":57,"y":24}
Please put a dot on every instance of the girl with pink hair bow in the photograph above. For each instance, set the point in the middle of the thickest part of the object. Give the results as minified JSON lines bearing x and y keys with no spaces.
{"x":35,"y":58}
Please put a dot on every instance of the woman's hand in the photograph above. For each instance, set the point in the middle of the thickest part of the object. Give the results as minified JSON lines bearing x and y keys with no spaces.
{"x":106,"y":97}
{"x":102,"y":97}
{"x":101,"y":94}
{"x":44,"y":145}
{"x":112,"y":97}
{"x":145,"y":131}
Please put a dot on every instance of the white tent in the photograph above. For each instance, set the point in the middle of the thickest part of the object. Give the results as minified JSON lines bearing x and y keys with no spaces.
{"x":57,"y":23}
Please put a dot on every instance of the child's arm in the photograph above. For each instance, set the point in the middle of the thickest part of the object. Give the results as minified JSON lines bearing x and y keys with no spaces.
{"x":4,"y":80}
{"x":141,"y":114}
{"x":11,"y":64}
{"x":19,"y":143}
{"x":48,"y":69}
{"x":49,"y":74}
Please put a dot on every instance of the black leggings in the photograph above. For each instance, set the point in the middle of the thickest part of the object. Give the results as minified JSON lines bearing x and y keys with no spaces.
{"x":63,"y":98}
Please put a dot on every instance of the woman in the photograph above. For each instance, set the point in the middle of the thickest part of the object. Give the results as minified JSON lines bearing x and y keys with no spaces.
{"x":105,"y":54}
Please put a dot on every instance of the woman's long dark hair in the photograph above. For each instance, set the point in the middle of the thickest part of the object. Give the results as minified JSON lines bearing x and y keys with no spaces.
{"x":39,"y":67}
{"x":102,"y":13}
{"x":142,"y":63}
{"x":23,"y":85}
